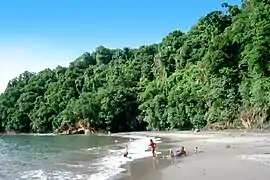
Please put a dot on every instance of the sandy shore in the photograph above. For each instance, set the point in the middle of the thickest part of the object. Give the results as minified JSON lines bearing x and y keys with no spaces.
{"x":224,"y":155}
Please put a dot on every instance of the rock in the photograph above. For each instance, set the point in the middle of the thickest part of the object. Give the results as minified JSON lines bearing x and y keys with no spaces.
{"x":74,"y":132}
{"x":87,"y":131}
{"x":81,"y":124}
{"x":80,"y":131}
{"x":81,"y":127}
{"x":67,"y":132}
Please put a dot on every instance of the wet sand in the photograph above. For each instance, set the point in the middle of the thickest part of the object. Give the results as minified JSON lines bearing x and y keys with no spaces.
{"x":226,"y":155}
{"x":138,"y":169}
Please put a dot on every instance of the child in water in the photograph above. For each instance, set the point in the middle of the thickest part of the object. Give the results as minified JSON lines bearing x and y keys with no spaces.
{"x":153,"y":147}
{"x":177,"y":153}
{"x":126,"y":151}
{"x":196,"y":150}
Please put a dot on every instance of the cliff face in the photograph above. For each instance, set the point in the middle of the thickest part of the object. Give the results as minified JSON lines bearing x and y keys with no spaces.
{"x":79,"y":128}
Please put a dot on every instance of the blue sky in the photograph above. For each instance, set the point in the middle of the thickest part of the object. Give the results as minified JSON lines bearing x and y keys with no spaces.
{"x":36,"y":34}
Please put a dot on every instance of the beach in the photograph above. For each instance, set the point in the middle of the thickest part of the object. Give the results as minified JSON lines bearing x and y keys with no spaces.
{"x":222,"y":155}
{"x":233,"y":155}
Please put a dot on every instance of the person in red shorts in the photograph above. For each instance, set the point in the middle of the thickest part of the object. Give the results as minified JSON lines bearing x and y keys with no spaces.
{"x":153,"y":147}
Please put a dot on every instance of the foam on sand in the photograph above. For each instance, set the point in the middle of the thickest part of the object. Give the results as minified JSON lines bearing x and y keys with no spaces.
{"x":262,"y":158}
{"x":235,"y":140}
{"x":110,"y":165}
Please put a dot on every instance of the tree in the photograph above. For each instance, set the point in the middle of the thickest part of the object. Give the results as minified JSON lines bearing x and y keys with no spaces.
{"x":215,"y":75}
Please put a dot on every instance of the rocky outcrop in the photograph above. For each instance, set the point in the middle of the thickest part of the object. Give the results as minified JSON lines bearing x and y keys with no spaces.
{"x":80,"y":127}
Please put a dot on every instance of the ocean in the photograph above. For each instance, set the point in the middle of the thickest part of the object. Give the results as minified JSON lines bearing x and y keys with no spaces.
{"x":49,"y":157}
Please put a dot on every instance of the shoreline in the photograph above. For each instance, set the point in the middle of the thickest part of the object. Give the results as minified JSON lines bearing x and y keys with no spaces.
{"x":170,"y":134}
{"x":137,"y":168}
{"x":51,"y":134}
{"x":222,"y":154}
{"x":228,"y":148}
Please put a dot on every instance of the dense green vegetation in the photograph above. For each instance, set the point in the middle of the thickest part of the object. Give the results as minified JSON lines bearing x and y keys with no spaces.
{"x":217,"y":74}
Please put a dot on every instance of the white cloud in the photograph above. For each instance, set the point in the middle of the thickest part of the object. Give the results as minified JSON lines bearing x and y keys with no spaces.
{"x":15,"y":59}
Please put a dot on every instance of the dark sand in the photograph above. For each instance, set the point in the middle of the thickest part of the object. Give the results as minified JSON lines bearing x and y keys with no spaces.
{"x":230,"y":155}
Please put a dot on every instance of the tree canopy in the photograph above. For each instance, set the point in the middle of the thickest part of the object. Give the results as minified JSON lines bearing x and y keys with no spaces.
{"x":215,"y":75}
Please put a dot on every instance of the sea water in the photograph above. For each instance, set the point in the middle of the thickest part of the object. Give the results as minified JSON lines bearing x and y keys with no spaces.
{"x":68,"y":157}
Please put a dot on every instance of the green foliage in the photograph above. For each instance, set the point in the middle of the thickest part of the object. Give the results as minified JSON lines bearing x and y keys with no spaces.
{"x":216,"y":73}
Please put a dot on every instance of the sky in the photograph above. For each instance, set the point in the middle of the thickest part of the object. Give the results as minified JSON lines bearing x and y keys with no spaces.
{"x":39,"y":34}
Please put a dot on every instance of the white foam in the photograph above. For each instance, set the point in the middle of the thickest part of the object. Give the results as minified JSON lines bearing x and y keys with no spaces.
{"x":263,"y":158}
{"x":71,"y":165}
{"x":109,"y":166}
{"x":57,"y":175}
{"x":92,"y":148}
{"x":235,"y":140}
{"x":138,"y":148}
{"x":43,"y":134}
{"x":35,"y":174}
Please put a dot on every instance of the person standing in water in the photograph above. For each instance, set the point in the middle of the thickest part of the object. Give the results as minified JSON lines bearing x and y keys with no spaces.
{"x":153,"y":147}
{"x":126,"y":151}
{"x":196,"y":150}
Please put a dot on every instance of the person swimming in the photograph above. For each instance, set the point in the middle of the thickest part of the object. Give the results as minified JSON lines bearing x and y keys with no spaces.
{"x":177,"y":153}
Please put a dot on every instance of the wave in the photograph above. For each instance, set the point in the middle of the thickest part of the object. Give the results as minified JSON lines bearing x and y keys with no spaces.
{"x":103,"y":168}
{"x":57,"y":175}
{"x":110,"y":165}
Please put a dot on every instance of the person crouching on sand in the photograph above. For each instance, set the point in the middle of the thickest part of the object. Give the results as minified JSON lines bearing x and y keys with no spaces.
{"x":153,"y":147}
{"x":177,"y":153}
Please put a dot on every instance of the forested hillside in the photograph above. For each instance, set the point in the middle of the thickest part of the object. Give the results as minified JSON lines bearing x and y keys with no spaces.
{"x":215,"y":75}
